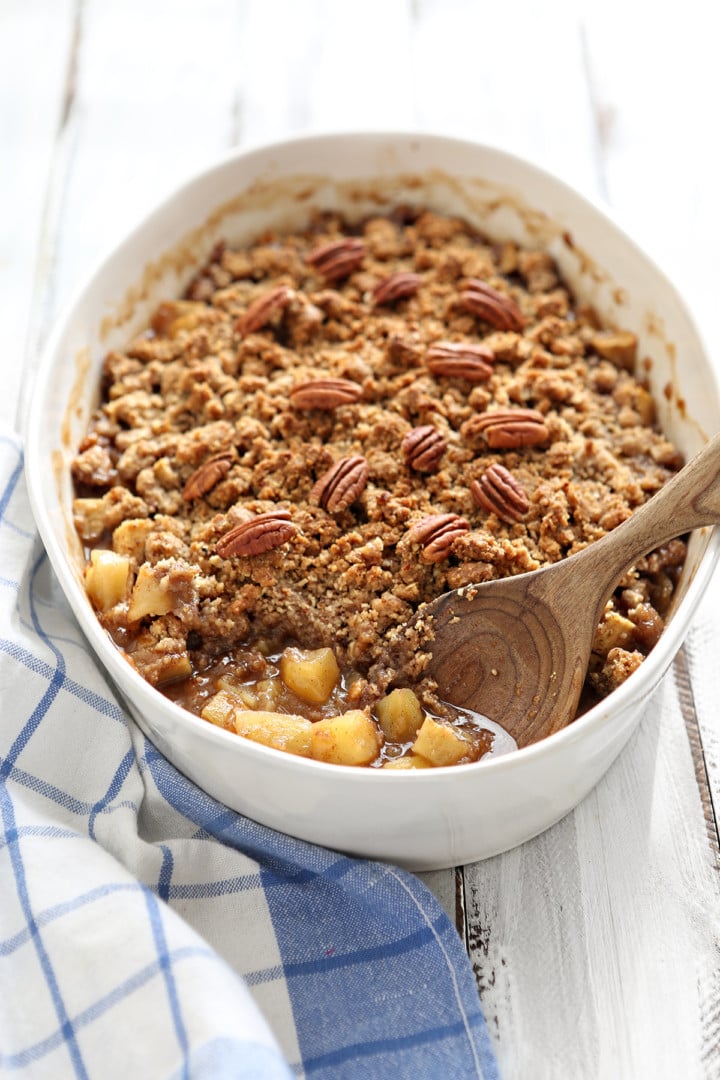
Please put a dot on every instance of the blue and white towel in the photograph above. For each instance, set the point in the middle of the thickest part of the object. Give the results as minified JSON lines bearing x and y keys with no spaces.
{"x":148,"y":931}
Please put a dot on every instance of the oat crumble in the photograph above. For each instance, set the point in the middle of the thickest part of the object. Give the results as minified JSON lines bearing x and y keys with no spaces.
{"x":336,"y":426}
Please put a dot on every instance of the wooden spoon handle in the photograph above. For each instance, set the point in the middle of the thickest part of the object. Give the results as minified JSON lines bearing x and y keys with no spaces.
{"x":690,"y":499}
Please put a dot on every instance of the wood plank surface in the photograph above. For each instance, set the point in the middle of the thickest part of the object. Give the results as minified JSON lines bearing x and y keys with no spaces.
{"x":31,"y":109}
{"x":660,"y":159}
{"x":595,"y":946}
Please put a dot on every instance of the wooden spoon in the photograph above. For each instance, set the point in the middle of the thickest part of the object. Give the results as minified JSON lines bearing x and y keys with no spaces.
{"x":517,"y":650}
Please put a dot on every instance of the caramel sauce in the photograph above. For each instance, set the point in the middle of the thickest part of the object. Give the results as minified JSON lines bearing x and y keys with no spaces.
{"x":255,"y":670}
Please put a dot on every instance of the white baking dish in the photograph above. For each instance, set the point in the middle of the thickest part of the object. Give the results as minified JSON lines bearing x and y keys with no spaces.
{"x":427,"y":818}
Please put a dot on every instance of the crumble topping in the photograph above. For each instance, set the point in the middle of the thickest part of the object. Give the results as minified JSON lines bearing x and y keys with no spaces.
{"x":331,"y":428}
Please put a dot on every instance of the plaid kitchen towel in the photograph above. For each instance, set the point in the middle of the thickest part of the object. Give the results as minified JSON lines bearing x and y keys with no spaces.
{"x":148,"y":931}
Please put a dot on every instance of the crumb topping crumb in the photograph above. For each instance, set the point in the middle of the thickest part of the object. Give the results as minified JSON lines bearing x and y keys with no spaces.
{"x":333,"y":427}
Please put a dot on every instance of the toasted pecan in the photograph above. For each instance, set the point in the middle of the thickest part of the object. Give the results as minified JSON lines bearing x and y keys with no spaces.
{"x":460,"y":360}
{"x":341,"y":485}
{"x":396,"y":286}
{"x":325,"y":393}
{"x":260,"y":534}
{"x":499,"y":492}
{"x":508,"y":429}
{"x":492,"y":306}
{"x":436,"y":533}
{"x":423,"y":447}
{"x":207,"y":475}
{"x":338,"y":259}
{"x":262,"y":310}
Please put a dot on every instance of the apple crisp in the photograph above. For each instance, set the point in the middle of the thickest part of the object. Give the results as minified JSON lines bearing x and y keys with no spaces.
{"x":334,"y":427}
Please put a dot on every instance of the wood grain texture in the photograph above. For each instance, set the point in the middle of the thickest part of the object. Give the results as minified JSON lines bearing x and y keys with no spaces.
{"x":511,"y":75}
{"x":660,"y":164}
{"x":611,"y":919}
{"x":596,"y":945}
{"x":31,"y":113}
{"x":686,"y":700}
{"x":494,"y":644}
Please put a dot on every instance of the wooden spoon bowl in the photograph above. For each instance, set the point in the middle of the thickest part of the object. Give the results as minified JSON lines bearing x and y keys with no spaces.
{"x":517,"y":650}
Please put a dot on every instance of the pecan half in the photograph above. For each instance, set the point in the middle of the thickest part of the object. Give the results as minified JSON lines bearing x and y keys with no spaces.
{"x":341,"y":485}
{"x":423,"y":448}
{"x":261,"y":533}
{"x":207,"y":476}
{"x":396,"y":287}
{"x":325,"y":393}
{"x":508,"y":429}
{"x":338,"y":259}
{"x":498,"y":492}
{"x":458,"y":360}
{"x":492,"y":306}
{"x":262,"y":310}
{"x":437,"y":533}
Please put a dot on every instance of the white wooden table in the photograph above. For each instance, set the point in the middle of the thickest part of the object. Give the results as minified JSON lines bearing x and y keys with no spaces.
{"x":596,"y":946}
